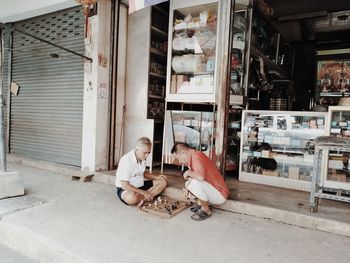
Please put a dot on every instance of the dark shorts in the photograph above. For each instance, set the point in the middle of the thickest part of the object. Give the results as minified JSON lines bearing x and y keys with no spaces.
{"x":146,"y":185}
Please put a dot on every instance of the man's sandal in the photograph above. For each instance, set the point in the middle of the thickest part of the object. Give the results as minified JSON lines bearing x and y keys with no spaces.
{"x":200,"y":215}
{"x":195,"y":208}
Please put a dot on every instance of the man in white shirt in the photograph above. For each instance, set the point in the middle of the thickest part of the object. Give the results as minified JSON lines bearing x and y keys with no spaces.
{"x":132,"y":188}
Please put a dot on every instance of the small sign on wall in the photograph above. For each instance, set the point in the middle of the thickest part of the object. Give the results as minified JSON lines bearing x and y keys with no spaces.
{"x":102,"y":91}
{"x":14,"y":88}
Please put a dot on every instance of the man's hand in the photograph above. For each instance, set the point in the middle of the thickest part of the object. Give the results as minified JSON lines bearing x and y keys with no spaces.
{"x":162,"y":177}
{"x":186,"y":175}
{"x":148,"y":196}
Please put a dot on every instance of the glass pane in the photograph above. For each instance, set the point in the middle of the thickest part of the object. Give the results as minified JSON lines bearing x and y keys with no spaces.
{"x":193,"y":49}
{"x":338,"y":166}
{"x":194,"y":128}
{"x":238,"y":53}
{"x":278,"y":145}
{"x":340,"y":124}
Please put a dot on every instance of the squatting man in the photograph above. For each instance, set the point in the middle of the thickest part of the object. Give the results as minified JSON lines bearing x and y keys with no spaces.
{"x":132,"y":188}
{"x":203,"y":180}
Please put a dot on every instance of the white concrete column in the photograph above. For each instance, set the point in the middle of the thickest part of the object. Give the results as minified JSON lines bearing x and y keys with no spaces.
{"x":96,"y":91}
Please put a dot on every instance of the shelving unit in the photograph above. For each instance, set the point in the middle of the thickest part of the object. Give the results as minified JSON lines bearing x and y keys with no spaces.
{"x":337,"y":191}
{"x":336,"y":172}
{"x":146,"y":78}
{"x":192,"y":61}
{"x":191,"y":76}
{"x":238,"y":82}
{"x":271,"y":62}
{"x":275,"y":147}
{"x":195,"y":128}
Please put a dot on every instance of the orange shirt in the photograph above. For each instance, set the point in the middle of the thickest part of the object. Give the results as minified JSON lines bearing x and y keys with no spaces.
{"x":202,"y":165}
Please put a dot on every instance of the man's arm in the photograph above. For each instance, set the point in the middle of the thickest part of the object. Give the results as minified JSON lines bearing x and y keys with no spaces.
{"x":194,"y":175}
{"x":197,"y":170}
{"x":154,"y":177}
{"x":128,"y":187}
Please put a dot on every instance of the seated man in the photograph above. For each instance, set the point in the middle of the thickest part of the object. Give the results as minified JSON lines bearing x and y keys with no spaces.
{"x":204,"y":180}
{"x":132,"y":189}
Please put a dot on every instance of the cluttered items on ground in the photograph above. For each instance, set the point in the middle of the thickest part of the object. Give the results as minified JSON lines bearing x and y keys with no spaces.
{"x":164,"y":206}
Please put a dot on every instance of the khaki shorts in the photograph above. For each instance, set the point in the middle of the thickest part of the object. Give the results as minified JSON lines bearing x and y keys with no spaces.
{"x":205,"y":191}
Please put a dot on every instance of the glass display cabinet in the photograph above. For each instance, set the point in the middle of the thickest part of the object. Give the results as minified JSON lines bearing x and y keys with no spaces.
{"x":337,"y":165}
{"x":275,"y":147}
{"x":238,"y":81}
{"x":240,"y":53}
{"x":192,"y":51}
{"x":196,"y":128}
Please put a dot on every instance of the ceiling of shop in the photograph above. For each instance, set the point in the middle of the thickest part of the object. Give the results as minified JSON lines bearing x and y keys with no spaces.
{"x":312,"y":20}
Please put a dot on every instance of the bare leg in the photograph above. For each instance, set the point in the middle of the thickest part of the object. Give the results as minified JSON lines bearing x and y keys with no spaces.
{"x":158,"y":186}
{"x":131,"y":198}
{"x":204,"y":206}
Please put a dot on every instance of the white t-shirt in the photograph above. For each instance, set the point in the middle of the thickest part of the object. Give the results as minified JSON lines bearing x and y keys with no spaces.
{"x":130,"y":170}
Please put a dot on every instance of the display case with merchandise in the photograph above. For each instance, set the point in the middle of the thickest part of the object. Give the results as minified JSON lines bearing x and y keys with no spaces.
{"x":192,"y":51}
{"x":238,"y":81}
{"x":275,"y":147}
{"x":195,"y":128}
{"x":337,"y":167}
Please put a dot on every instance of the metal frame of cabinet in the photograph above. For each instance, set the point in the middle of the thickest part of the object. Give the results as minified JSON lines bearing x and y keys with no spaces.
{"x":187,"y":7}
{"x":318,"y":188}
{"x":334,"y":124}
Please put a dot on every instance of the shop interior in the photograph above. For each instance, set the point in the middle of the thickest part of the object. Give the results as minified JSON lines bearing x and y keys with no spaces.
{"x":289,"y":73}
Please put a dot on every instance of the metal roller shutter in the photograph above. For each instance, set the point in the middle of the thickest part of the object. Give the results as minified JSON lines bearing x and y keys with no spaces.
{"x":47,"y":113}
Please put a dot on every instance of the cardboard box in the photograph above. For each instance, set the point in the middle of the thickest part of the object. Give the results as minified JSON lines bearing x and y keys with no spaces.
{"x":179,"y":81}
{"x":305,"y":177}
{"x":270,"y":173}
{"x":293,"y":172}
{"x":173,"y":84}
{"x":265,"y":154}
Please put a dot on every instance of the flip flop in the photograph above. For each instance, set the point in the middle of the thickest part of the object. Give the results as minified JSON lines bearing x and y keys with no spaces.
{"x":200,"y":215}
{"x":195,"y":208}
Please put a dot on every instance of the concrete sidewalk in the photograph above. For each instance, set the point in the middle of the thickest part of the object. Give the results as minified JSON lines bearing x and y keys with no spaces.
{"x":9,"y":256}
{"x":70,"y":221}
{"x":282,"y":205}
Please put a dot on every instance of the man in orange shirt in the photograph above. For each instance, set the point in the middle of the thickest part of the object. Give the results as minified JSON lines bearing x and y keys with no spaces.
{"x":204,"y":180}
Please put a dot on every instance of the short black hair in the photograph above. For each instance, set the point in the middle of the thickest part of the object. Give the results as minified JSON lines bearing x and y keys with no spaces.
{"x":178,"y":145}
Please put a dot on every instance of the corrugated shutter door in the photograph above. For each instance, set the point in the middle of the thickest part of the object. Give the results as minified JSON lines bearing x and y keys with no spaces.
{"x":47,"y":113}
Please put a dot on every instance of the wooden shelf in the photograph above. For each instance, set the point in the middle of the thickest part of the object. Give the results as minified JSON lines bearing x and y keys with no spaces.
{"x":156,"y":97}
{"x":158,"y":52}
{"x":157,"y":75}
{"x":159,"y":32}
{"x":160,"y":10}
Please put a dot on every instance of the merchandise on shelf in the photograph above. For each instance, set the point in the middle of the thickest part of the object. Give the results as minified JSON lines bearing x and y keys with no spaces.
{"x":157,"y":64}
{"x":156,"y":89}
{"x":162,"y":46}
{"x":195,"y":128}
{"x":277,"y":144}
{"x":338,"y":170}
{"x":193,"y":52}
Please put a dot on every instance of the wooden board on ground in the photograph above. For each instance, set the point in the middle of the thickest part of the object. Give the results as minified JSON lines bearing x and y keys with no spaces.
{"x":82,"y":178}
{"x":164,"y":206}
